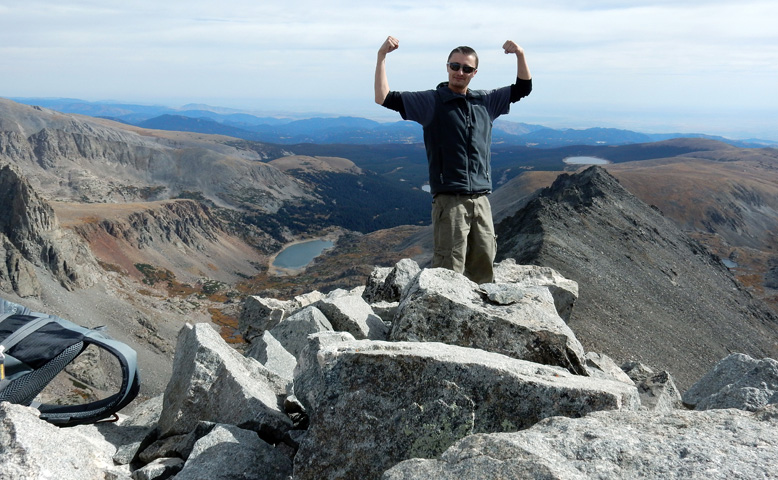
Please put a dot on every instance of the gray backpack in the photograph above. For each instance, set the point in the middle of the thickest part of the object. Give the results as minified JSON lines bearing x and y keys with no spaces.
{"x":35,"y":347}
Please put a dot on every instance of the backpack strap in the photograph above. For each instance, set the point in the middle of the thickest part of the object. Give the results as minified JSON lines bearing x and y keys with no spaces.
{"x":67,"y":415}
{"x":20,"y":382}
{"x":26,"y":330}
{"x":11,"y":340}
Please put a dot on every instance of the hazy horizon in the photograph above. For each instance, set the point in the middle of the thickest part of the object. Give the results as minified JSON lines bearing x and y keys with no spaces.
{"x":643,"y":122}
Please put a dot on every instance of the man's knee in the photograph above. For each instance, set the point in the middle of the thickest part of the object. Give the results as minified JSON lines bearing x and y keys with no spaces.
{"x":482,"y":245}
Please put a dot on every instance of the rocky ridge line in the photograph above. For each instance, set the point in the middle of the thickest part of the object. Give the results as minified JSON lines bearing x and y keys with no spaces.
{"x":648,"y":291}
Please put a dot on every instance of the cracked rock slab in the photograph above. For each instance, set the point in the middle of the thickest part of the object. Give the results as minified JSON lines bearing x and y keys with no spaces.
{"x":373,"y":403}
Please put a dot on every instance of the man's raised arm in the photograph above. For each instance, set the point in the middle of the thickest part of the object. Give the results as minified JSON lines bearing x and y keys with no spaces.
{"x":381,"y":82}
{"x":522,"y":70}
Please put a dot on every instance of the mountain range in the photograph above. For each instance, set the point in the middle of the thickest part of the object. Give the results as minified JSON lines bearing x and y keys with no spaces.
{"x":289,"y":130}
{"x":170,"y":226}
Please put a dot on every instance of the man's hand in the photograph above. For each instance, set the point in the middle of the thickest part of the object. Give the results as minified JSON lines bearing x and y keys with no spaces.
{"x":511,"y":47}
{"x":522,"y":68}
{"x":391,"y":44}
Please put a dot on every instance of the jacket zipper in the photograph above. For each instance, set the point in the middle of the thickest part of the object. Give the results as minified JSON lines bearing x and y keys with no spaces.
{"x":469,"y":125}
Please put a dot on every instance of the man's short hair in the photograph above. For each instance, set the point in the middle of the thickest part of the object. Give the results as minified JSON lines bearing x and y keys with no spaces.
{"x":464,"y":51}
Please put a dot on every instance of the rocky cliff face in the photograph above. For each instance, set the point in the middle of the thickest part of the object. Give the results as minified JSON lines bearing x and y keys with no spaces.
{"x":30,"y":236}
{"x":178,"y":235}
{"x":647,"y":290}
{"x":182,"y":236}
{"x":184,"y":221}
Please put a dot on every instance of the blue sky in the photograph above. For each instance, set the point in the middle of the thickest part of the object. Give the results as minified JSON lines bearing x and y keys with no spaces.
{"x":653,"y":66}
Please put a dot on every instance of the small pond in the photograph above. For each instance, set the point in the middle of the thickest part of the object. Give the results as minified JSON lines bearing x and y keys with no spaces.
{"x":299,"y":255}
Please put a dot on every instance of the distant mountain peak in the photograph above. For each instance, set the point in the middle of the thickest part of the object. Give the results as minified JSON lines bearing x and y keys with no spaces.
{"x":583,"y":187}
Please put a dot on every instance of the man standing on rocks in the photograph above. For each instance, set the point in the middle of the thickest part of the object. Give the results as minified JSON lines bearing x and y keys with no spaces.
{"x":457,"y":125}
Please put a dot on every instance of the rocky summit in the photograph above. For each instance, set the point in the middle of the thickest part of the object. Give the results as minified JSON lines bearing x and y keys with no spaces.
{"x":504,"y":390}
{"x":647,"y":291}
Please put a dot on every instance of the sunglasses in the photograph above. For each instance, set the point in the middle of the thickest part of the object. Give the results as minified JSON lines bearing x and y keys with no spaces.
{"x":456,"y":66}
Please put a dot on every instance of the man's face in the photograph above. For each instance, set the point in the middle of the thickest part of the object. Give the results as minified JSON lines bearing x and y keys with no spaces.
{"x":458,"y":81}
